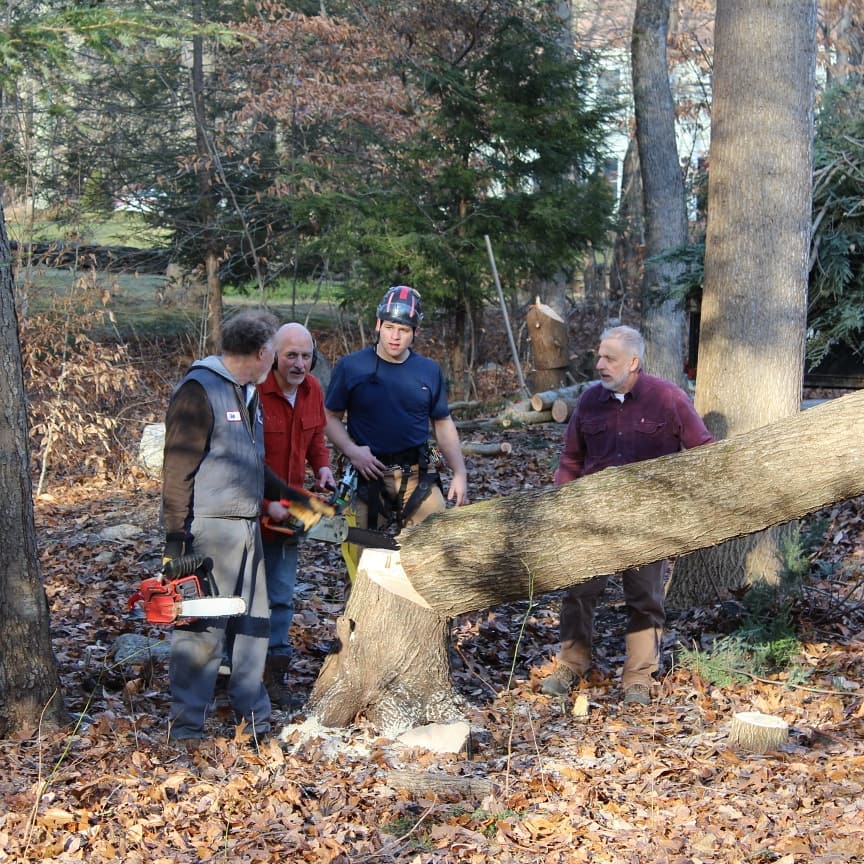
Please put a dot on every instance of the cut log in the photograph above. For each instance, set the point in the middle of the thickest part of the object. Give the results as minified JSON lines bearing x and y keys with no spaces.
{"x":446,"y":785}
{"x":533,"y":542}
{"x":543,"y":401}
{"x":522,"y":414}
{"x":547,"y":332}
{"x":757,"y":732}
{"x":562,"y":409}
{"x":494,"y":448}
{"x":527,"y":418}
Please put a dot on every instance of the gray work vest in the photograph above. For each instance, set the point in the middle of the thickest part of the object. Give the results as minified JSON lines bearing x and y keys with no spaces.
{"x":230,"y":479}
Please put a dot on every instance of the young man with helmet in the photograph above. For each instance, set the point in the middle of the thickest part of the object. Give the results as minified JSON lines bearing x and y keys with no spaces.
{"x":390,"y":394}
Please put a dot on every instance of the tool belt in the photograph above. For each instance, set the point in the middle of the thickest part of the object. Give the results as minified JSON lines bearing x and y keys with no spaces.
{"x":377,"y":502}
{"x":404,"y":458}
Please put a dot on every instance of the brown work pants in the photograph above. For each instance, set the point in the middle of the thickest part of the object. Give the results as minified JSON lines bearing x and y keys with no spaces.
{"x":644,"y":595}
{"x":392,"y":482}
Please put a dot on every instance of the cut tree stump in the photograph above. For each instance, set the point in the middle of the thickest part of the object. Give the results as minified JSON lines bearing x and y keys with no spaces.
{"x":547,"y":332}
{"x":757,"y":732}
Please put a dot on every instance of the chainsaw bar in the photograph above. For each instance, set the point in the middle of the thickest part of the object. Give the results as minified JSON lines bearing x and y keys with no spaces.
{"x":211,"y":607}
{"x":373,"y":539}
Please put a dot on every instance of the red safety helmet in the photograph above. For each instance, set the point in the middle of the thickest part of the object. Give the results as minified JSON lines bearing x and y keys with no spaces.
{"x":401,"y":305}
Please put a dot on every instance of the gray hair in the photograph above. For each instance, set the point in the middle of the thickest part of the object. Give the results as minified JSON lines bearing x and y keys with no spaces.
{"x":248,"y":331}
{"x":629,"y":337}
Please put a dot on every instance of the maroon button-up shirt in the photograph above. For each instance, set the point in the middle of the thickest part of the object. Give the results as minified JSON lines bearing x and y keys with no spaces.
{"x":656,"y":418}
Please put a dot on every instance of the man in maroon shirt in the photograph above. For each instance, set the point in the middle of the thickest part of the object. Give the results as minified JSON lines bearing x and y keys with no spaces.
{"x":292,"y":402}
{"x":628,"y":416}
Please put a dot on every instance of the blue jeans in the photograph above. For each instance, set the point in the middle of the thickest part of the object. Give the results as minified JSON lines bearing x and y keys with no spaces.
{"x":280,"y":562}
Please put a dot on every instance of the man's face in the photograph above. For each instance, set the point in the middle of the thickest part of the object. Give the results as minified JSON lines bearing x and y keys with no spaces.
{"x":294,"y":357}
{"x":616,"y":366}
{"x":394,"y":340}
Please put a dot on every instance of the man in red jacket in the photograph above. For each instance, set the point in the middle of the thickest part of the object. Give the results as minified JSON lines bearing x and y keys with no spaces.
{"x":293,"y":405}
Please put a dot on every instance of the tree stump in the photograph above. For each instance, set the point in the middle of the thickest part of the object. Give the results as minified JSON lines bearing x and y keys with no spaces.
{"x":757,"y":732}
{"x":390,"y":663}
{"x":547,"y":332}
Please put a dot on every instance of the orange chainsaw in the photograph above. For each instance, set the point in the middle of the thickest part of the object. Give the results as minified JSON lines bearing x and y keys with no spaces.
{"x":316,"y":517}
{"x":185,"y":589}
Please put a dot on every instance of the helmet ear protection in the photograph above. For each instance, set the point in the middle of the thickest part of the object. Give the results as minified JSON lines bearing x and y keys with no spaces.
{"x":401,"y":305}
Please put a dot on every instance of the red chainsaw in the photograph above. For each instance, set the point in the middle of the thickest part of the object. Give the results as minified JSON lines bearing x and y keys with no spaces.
{"x":185,"y":589}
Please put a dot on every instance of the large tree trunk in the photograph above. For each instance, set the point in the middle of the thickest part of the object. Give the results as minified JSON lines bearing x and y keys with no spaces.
{"x":30,"y":693}
{"x":663,"y":190}
{"x":754,"y":304}
{"x":625,"y":271}
{"x":391,"y":661}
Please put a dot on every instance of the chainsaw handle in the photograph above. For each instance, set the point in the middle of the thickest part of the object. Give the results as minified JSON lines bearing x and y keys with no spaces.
{"x":186,"y":564}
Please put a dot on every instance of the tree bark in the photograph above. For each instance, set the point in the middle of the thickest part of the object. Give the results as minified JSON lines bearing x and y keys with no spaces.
{"x":530,"y":543}
{"x":754,"y":303}
{"x":30,"y":693}
{"x":662,"y":190}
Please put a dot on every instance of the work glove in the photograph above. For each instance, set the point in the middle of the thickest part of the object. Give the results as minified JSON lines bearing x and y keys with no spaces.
{"x":175,"y":546}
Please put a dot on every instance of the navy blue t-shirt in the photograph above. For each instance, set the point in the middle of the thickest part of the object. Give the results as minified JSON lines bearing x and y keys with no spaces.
{"x":389,"y":405}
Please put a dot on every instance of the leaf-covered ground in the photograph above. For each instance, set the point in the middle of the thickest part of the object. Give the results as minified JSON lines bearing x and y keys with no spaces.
{"x":537,"y":784}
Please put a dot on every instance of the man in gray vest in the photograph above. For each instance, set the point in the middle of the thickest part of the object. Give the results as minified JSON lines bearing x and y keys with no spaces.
{"x":214,"y":482}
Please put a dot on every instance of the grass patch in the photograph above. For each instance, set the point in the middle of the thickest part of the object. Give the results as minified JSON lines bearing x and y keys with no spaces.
{"x":121,"y":228}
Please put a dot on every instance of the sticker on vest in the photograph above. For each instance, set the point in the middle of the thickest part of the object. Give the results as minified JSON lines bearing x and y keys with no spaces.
{"x":233,"y":416}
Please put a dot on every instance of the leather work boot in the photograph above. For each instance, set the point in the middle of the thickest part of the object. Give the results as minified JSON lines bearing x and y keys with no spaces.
{"x":637,"y":694}
{"x":560,"y":682}
{"x":276,"y":682}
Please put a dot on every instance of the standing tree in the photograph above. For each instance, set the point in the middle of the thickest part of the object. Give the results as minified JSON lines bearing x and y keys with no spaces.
{"x":665,"y":215}
{"x":754,"y":304}
{"x":29,"y":683}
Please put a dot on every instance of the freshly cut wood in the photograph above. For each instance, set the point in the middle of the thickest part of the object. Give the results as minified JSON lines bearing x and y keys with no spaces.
{"x":390,"y":660}
{"x":527,"y":418}
{"x":757,"y":732}
{"x":562,"y":409}
{"x":493,"y":448}
{"x":547,"y":332}
{"x":544,"y":400}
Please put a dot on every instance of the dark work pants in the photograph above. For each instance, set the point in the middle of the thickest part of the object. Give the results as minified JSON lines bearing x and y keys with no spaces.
{"x":644,"y":596}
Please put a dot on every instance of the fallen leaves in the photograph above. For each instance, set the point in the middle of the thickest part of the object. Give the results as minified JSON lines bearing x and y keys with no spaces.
{"x":591,"y":782}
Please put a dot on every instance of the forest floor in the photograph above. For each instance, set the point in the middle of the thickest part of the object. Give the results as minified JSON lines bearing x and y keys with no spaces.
{"x":538,"y":781}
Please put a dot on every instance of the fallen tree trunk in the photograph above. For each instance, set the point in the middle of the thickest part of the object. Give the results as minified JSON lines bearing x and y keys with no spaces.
{"x":530,"y":543}
{"x":391,"y":662}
